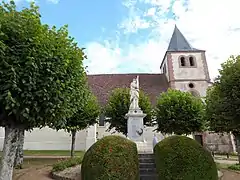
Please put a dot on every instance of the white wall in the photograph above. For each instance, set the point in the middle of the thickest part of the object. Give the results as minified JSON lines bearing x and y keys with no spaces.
{"x":49,"y":139}
{"x":166,"y":64}
{"x":200,"y":86}
{"x":185,"y":75}
{"x":190,"y":72}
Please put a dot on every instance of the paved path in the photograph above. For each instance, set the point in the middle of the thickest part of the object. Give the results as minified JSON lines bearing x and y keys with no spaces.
{"x":230,"y":175}
{"x":223,"y":161}
{"x":41,"y":173}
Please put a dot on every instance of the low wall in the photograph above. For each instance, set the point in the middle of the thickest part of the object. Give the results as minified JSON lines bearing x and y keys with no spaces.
{"x":49,"y":139}
{"x":219,"y":143}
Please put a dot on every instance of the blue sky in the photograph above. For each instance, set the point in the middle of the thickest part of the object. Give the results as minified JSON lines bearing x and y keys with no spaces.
{"x":124,"y":36}
{"x":84,"y":25}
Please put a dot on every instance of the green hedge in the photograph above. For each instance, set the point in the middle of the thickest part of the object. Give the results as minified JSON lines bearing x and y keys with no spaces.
{"x":182,"y":158}
{"x":235,"y":167}
{"x":111,"y":158}
{"x":66,"y":163}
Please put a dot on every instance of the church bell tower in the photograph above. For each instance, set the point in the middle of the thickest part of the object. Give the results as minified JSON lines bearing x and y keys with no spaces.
{"x":185,"y":67}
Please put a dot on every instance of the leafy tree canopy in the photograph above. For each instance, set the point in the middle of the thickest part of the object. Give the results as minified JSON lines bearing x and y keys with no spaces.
{"x":118,"y":106}
{"x":223,"y":99}
{"x":86,"y":115}
{"x":179,"y":112}
{"x":41,"y":69}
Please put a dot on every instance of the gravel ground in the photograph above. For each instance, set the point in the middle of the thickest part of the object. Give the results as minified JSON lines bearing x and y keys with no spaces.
{"x":230,"y":175}
{"x":73,"y":173}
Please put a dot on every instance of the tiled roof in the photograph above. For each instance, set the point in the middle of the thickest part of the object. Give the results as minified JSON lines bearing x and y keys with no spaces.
{"x":103,"y":84}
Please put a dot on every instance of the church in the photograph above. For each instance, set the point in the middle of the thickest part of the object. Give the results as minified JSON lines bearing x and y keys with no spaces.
{"x":183,"y":67}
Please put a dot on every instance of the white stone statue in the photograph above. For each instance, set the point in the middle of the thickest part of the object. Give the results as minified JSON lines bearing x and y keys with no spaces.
{"x":134,"y":94}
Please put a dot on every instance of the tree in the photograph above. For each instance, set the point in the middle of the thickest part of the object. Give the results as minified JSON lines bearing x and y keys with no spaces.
{"x":223,"y":100}
{"x":85,"y":116}
{"x":118,"y":106}
{"x":18,"y":161}
{"x":179,"y":112}
{"x":41,"y":72}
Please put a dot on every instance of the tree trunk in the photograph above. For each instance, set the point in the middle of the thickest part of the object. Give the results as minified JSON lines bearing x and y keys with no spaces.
{"x":73,"y":142}
{"x":237,"y":136}
{"x":9,"y":152}
{"x":19,"y":152}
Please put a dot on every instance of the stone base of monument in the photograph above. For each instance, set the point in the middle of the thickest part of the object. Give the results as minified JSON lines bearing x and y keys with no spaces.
{"x":144,"y":147}
{"x":135,"y":125}
{"x":136,"y":130}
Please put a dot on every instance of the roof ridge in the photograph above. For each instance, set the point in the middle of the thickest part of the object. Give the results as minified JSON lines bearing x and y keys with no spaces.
{"x":107,"y":74}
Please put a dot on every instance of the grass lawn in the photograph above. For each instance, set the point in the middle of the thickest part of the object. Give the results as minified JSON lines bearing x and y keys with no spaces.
{"x":39,"y":162}
{"x":222,"y":166}
{"x":49,"y":153}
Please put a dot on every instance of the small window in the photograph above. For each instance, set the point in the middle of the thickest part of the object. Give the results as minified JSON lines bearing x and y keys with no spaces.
{"x":191,"y":85}
{"x":182,"y":61}
{"x":191,"y":61}
{"x":164,"y":69}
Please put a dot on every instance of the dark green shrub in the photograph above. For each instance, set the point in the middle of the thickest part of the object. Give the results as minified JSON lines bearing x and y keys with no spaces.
{"x":182,"y":158}
{"x":235,"y":167}
{"x":66,"y":163}
{"x":111,"y":158}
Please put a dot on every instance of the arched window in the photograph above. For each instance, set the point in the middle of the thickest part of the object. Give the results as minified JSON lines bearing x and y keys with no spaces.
{"x":182,"y":61}
{"x":191,"y":61}
{"x":195,"y":93}
{"x":164,"y":69}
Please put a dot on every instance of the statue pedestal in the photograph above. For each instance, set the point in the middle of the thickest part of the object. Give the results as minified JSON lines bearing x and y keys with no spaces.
{"x":144,"y":147}
{"x":135,"y":125}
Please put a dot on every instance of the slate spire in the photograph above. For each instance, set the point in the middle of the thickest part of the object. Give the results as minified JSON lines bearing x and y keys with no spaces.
{"x":179,"y":43}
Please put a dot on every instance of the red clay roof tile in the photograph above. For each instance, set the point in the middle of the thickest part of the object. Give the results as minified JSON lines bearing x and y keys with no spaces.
{"x":103,"y":84}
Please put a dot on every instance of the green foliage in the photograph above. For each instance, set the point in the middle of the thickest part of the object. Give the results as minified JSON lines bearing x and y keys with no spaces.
{"x":215,"y":111}
{"x":66,"y":163}
{"x":182,"y":158}
{"x":223,"y":99}
{"x":118,"y":106}
{"x":86,"y":115}
{"x":235,"y":167}
{"x":41,"y":70}
{"x":179,"y":112}
{"x":112,"y":157}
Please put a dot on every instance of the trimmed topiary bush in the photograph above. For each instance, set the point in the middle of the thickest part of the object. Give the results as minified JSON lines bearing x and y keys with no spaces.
{"x":182,"y":158}
{"x":112,"y":157}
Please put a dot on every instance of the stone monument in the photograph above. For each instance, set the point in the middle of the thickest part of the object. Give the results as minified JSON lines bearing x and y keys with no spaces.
{"x":135,"y":117}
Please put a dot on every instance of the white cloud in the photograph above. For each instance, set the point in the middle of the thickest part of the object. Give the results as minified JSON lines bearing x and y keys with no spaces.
{"x":54,"y":1}
{"x":133,"y":24}
{"x":102,"y":58}
{"x":210,"y":25}
{"x":151,"y":12}
{"x":17,"y":1}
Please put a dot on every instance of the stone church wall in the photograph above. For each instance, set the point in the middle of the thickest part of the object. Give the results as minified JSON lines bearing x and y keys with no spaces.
{"x":219,"y":143}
